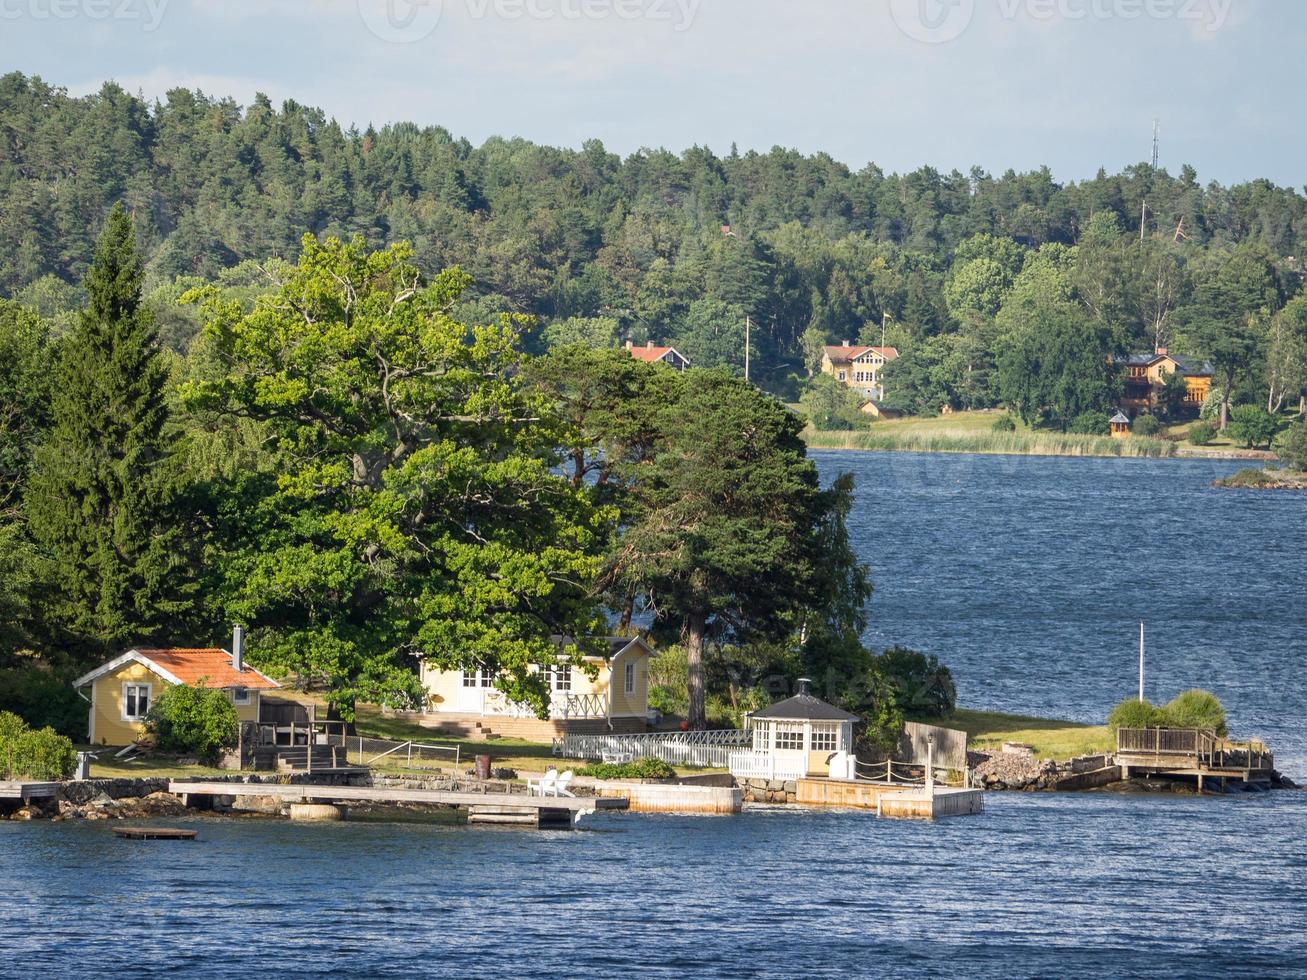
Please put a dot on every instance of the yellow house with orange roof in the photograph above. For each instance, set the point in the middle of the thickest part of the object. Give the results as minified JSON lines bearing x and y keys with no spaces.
{"x":121,"y":691}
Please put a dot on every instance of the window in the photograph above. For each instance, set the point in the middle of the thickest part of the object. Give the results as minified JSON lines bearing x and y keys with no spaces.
{"x":136,"y":701}
{"x":630,"y":678}
{"x":789,"y":737}
{"x":825,"y":738}
{"x":482,"y":677}
{"x":240,"y":695}
{"x":844,"y":376}
{"x":560,"y":678}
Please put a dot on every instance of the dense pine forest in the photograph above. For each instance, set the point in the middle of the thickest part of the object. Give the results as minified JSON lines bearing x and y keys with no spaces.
{"x":601,"y":249}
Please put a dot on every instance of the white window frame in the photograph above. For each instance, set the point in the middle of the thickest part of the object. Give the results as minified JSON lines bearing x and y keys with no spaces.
{"x":241,"y":696}
{"x":479,"y":679}
{"x":829,"y":734}
{"x":560,"y":678}
{"x":790,"y":732}
{"x":136,"y":687}
{"x":629,"y":686}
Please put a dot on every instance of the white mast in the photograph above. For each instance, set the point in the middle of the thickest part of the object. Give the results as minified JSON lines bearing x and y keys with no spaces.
{"x":1141,"y":661}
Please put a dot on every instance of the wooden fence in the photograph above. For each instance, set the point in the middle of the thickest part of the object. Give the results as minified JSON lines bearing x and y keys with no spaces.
{"x":950,"y":746}
{"x":1202,"y":746}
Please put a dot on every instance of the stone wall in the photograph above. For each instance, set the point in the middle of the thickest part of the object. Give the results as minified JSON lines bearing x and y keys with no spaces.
{"x":769,"y":790}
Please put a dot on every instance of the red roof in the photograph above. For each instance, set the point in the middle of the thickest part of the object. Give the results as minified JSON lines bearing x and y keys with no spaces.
{"x":213,"y":666}
{"x":844,"y":352}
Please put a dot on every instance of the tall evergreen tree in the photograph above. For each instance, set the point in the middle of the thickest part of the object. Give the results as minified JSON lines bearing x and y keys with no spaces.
{"x":103,"y":491}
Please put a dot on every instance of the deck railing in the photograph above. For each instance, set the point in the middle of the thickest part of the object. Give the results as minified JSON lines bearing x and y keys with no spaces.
{"x":1203,"y":746}
{"x":707,"y":750}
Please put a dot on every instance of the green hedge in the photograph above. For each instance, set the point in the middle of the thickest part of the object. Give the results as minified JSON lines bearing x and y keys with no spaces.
{"x":639,"y":769}
{"x":27,"y":753}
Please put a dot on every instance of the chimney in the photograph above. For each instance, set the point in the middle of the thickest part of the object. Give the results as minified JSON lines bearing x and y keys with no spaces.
{"x":238,"y":649}
{"x":805,"y":686}
{"x":630,"y":344}
{"x":1163,"y":351}
{"x":847,"y":344}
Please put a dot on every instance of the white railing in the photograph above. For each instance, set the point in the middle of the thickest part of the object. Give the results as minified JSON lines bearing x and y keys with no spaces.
{"x":705,"y":750}
{"x":411,"y":754}
{"x":579,"y":706}
{"x":765,"y":765}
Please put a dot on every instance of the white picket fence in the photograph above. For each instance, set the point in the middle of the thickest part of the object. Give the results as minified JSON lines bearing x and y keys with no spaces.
{"x":705,"y":750}
{"x":764,"y":765}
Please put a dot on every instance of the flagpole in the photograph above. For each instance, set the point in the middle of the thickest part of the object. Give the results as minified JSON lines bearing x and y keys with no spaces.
{"x":1141,"y":662}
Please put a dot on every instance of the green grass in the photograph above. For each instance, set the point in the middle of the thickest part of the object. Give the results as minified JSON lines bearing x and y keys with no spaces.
{"x":972,"y":432}
{"x":1051,"y":738}
{"x":107,"y":767}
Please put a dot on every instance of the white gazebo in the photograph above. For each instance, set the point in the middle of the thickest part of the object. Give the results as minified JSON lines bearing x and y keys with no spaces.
{"x":795,"y":738}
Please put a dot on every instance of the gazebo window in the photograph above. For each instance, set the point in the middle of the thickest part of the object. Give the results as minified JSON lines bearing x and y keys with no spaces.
{"x":789,"y":737}
{"x":825,"y":738}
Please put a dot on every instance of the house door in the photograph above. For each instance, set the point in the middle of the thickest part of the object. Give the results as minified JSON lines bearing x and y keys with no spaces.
{"x":476,"y":685}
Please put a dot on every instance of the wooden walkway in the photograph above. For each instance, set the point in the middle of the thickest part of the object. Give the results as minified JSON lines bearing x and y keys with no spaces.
{"x":1192,"y":752}
{"x":535,"y":808}
{"x":19,"y":790}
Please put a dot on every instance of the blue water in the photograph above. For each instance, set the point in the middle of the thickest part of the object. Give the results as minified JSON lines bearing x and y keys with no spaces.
{"x":1028,"y":577}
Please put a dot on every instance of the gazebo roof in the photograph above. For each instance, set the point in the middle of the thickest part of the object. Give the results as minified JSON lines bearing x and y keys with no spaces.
{"x":803,"y":707}
{"x":1121,"y":419}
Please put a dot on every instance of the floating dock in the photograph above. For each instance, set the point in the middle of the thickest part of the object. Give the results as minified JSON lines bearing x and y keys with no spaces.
{"x":890,"y":799}
{"x":515,"y":808}
{"x":154,"y":833}
{"x":27,"y":791}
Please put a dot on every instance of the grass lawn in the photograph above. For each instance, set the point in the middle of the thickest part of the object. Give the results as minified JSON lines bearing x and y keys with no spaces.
{"x":1052,"y":739}
{"x":107,"y":767}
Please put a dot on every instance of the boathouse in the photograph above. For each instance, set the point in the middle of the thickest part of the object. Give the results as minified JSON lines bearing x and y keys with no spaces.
{"x":795,"y":738}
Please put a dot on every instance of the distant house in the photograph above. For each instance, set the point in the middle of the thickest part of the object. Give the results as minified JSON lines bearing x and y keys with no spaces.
{"x":122,"y":690}
{"x":1146,"y":374}
{"x":617,"y":700}
{"x":1120,"y":425}
{"x":859,"y":367}
{"x":659,"y":355}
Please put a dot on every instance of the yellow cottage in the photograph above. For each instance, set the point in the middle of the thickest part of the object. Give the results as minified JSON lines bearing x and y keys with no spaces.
{"x":121,"y":691}
{"x":617,"y":700}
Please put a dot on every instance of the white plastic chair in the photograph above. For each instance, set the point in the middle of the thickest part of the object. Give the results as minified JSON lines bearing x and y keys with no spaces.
{"x":564,"y":781}
{"x":546,"y":785}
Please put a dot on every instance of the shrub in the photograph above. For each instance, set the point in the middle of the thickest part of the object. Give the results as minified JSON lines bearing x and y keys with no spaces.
{"x":1253,"y":426}
{"x":922,"y":686}
{"x":639,"y":769}
{"x":1091,"y":424}
{"x":1005,"y":423}
{"x":1202,"y":433}
{"x":1133,"y":713}
{"x":1196,"y":709}
{"x":33,"y":754}
{"x":1292,"y":446}
{"x":1147,"y":425}
{"x":193,"y":720}
{"x":45,"y":697}
{"x":832,"y":405}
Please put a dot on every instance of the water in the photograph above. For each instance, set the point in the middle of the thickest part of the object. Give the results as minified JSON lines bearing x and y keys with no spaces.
{"x":1028,"y":577}
{"x":1037,"y":886}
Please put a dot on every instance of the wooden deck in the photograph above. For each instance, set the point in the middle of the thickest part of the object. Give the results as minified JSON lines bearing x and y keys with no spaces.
{"x":154,"y":833}
{"x":539,"y":808}
{"x":26,"y":791}
{"x":1192,"y":753}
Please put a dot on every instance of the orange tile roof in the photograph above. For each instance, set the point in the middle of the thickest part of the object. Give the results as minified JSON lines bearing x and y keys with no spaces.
{"x":213,"y":666}
{"x":650,"y":355}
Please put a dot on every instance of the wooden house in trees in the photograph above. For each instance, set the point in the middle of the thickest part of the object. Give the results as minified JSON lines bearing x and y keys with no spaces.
{"x":668,"y":356}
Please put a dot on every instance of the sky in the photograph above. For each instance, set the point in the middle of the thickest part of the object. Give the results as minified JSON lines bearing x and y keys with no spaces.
{"x":1072,"y":84}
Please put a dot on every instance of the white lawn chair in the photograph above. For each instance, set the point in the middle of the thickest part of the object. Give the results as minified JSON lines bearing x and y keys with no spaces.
{"x":564,"y":781}
{"x":546,"y":785}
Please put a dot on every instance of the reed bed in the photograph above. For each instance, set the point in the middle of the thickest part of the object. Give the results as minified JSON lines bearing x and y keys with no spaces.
{"x":992,"y":443}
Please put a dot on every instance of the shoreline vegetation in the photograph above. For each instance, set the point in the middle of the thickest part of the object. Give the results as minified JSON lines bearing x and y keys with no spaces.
{"x":1264,"y":479}
{"x":973,"y":433}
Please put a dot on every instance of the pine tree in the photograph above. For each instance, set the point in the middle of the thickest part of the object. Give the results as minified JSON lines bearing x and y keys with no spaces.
{"x":102,"y":498}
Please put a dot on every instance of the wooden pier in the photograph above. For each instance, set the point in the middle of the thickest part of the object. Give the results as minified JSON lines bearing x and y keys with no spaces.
{"x":1192,"y":752}
{"x":540,"y":811}
{"x":154,"y":833}
{"x":26,"y":791}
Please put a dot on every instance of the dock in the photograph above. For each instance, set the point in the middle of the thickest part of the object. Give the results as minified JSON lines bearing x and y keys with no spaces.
{"x":27,"y":791}
{"x":912,"y":801}
{"x":154,"y":833}
{"x":496,"y":808}
{"x":1194,"y":753}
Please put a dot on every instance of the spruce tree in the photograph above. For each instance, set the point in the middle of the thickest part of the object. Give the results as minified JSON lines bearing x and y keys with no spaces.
{"x":102,"y":495}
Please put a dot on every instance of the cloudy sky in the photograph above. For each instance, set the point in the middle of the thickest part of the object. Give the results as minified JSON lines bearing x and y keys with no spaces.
{"x":1074,"y":84}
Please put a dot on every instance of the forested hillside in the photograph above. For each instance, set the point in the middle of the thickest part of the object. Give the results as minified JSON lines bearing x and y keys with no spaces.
{"x":601,"y":248}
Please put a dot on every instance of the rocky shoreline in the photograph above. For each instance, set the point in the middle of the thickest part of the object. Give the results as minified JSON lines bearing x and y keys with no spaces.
{"x":1020,"y":773}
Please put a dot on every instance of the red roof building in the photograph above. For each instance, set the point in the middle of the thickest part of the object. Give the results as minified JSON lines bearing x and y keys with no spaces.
{"x":659,"y":355}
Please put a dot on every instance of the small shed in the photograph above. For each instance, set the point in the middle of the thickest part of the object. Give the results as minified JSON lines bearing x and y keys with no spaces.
{"x":1120,"y":425}
{"x":801,"y":733}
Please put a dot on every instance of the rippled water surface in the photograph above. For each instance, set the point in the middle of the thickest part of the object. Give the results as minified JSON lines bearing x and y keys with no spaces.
{"x":1029,"y":578}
